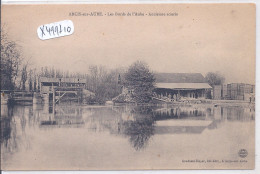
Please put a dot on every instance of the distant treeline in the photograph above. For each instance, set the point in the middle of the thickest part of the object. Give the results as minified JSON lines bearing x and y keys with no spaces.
{"x":104,"y":82}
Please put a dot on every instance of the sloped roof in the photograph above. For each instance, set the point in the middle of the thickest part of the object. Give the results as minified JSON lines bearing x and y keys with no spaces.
{"x":179,"y":78}
{"x":183,"y":85}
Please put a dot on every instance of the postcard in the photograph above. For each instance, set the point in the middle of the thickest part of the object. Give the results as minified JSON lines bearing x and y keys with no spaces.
{"x":128,"y":86}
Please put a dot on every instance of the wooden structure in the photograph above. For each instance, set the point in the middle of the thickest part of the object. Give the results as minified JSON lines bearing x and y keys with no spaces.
{"x":4,"y":96}
{"x":216,"y":92}
{"x":224,"y":95}
{"x":70,"y":89}
{"x":47,"y":84}
{"x":179,"y":86}
{"x":22,"y":96}
{"x":16,"y":96}
{"x":240,"y":91}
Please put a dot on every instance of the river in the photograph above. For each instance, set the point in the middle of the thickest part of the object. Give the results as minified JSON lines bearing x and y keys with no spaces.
{"x":72,"y":137}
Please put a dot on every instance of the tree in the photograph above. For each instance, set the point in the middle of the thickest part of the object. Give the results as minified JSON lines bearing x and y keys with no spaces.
{"x":142,"y":128}
{"x":103,"y":82}
{"x":30,"y":81}
{"x":10,"y":61}
{"x":215,"y":78}
{"x":30,"y":85}
{"x":24,"y":76}
{"x":140,"y":81}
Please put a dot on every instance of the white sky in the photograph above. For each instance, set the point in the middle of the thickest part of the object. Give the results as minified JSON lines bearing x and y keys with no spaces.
{"x":202,"y":38}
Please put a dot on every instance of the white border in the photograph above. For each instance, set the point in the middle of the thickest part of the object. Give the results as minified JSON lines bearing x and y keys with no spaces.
{"x":257,"y":120}
{"x":122,"y":1}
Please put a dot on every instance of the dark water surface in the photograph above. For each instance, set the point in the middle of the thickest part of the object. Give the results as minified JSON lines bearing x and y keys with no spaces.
{"x":74,"y":137}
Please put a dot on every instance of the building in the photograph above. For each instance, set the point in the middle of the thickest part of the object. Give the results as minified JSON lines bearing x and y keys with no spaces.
{"x":47,"y":84}
{"x":216,"y":92}
{"x":177,"y":86}
{"x":224,"y":95}
{"x":55,"y":89}
{"x":240,"y":91}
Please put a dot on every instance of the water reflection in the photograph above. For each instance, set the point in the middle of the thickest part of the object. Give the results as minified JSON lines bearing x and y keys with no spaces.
{"x":10,"y":128}
{"x":194,"y":120}
{"x":138,"y":124}
{"x":6,"y":124}
{"x":61,"y":116}
{"x":140,"y":128}
{"x":182,"y":120}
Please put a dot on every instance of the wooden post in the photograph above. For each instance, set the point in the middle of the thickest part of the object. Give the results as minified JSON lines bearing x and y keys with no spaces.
{"x":78,"y":94}
{"x":53,"y":99}
{"x":59,"y":97}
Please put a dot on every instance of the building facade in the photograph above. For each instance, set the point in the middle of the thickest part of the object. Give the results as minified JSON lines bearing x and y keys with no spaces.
{"x":216,"y":92}
{"x":234,"y":91}
{"x":47,"y":84}
{"x":181,"y":86}
{"x":240,"y":91}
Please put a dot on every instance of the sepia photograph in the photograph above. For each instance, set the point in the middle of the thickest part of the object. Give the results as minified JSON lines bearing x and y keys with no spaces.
{"x":128,"y":86}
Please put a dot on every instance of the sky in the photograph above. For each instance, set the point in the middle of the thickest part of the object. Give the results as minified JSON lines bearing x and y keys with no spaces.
{"x":202,"y":38}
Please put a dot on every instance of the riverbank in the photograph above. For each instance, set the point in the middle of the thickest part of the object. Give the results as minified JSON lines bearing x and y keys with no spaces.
{"x":208,"y":102}
{"x":196,"y":102}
